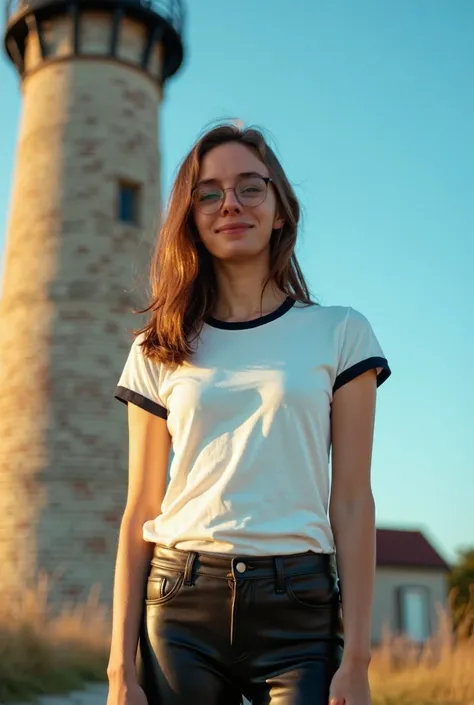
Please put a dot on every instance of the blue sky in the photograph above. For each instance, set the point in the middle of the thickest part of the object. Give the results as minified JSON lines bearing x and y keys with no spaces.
{"x":371,"y":108}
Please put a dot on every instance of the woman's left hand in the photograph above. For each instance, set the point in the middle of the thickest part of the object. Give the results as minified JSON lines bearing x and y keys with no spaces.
{"x":350,"y":685}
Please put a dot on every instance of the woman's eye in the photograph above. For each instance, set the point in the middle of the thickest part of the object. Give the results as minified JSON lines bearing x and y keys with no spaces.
{"x":209,"y":197}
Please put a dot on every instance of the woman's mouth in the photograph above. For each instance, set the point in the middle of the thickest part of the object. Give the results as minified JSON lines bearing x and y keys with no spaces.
{"x":234,"y":229}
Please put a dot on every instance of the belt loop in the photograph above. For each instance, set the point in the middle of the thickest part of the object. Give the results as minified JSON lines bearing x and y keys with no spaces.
{"x":188,"y":569}
{"x":280,"y":581}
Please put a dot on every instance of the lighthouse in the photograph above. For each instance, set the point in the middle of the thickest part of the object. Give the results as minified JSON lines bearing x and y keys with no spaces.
{"x":84,"y":212}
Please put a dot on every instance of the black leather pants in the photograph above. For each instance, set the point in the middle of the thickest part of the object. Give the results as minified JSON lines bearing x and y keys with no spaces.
{"x":214,"y":628}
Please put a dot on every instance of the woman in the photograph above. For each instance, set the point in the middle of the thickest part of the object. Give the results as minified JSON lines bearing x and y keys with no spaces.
{"x":226,"y":569}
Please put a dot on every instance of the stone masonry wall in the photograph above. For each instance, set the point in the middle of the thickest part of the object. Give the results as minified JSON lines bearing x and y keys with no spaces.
{"x":72,"y":274}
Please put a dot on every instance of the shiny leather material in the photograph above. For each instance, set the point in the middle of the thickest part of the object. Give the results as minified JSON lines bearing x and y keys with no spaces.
{"x":215,"y":627}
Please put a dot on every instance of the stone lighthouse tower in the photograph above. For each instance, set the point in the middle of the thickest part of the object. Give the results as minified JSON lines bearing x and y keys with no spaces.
{"x":84,"y":210}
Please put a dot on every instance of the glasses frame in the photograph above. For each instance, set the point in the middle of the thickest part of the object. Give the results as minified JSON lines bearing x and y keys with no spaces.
{"x":266,"y":179}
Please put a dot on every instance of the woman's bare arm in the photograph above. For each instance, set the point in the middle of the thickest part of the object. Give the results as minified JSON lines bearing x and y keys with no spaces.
{"x":352,"y":509}
{"x":149,"y":448}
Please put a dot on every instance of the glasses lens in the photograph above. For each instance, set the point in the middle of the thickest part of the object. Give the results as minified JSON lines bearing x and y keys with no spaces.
{"x":251,"y":191}
{"x":208,"y":198}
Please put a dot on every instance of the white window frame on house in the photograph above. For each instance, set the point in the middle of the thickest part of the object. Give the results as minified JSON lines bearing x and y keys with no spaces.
{"x":414,"y":614}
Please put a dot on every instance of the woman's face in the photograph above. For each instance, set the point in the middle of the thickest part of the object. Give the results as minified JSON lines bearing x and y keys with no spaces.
{"x":234,"y":230}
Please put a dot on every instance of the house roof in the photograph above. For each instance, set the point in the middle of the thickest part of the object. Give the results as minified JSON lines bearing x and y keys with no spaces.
{"x":407,"y":549}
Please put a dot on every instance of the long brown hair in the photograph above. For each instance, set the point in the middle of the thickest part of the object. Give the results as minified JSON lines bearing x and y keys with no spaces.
{"x":182,"y":280}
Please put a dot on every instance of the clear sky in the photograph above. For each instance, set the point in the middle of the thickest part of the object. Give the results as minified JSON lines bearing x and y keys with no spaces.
{"x":371,"y":108}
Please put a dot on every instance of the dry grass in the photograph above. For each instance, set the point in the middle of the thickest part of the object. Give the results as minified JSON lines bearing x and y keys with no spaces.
{"x":441,"y":673}
{"x":41,"y":653}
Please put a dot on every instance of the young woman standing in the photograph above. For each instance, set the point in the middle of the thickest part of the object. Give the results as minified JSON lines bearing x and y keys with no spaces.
{"x":235,"y":549}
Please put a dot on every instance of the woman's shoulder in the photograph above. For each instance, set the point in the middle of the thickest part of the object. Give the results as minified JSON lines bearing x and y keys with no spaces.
{"x":333,"y":319}
{"x":331,"y":313}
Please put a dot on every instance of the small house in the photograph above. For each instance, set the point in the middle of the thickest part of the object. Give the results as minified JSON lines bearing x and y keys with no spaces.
{"x":410,"y":584}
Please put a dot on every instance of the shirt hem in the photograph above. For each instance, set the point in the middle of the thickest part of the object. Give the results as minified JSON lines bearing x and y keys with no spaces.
{"x":128,"y":396}
{"x":363,"y":366}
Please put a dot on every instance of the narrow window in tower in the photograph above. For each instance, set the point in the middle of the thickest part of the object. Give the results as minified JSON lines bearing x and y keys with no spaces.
{"x":128,"y":202}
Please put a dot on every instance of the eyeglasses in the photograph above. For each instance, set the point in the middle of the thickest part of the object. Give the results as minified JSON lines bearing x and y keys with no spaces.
{"x":250,"y":191}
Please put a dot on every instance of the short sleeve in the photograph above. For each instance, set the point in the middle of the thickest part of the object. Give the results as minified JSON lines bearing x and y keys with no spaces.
{"x":139,"y":382}
{"x":360,"y":351}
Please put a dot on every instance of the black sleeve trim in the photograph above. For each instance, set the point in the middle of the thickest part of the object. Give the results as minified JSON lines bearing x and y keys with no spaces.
{"x":126,"y":395}
{"x":361,"y":367}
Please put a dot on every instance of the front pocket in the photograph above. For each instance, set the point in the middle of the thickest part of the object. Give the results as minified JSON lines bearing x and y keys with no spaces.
{"x":163,"y":588}
{"x":313,"y":590}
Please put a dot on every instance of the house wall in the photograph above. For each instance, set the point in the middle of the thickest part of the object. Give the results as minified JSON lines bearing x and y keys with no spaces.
{"x":385,"y":609}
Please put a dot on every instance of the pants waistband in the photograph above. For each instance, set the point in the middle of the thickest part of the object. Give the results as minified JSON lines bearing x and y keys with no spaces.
{"x":243,"y":567}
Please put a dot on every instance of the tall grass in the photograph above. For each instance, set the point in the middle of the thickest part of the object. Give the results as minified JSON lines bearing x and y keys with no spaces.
{"x":439,"y":673}
{"x":43,"y":653}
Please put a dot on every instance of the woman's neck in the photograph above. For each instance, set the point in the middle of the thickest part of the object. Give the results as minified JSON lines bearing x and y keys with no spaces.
{"x":245,"y":302}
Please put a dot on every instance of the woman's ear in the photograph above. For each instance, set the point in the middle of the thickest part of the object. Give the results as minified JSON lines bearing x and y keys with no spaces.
{"x":278,"y":222}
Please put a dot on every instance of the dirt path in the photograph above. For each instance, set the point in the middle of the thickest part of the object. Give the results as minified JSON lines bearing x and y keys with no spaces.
{"x":93,"y":695}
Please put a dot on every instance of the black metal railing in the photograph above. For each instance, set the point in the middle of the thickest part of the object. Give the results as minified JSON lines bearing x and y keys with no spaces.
{"x":170,"y":10}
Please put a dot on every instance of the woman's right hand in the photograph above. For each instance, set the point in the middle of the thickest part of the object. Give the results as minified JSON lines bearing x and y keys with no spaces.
{"x":123,"y":693}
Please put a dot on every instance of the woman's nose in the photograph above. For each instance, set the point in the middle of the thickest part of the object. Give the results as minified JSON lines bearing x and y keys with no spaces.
{"x":230,"y":202}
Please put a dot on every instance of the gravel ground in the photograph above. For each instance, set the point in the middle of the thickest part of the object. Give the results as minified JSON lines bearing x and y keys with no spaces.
{"x":93,"y":695}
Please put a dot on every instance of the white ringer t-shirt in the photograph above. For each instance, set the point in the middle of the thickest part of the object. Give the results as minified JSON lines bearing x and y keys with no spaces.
{"x":249,"y":417}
